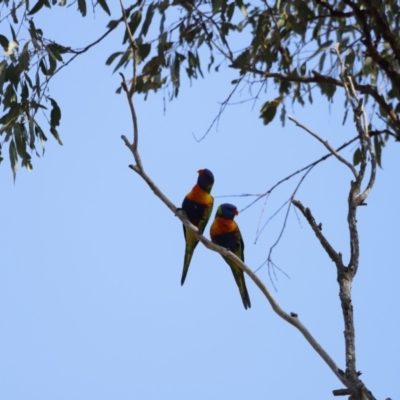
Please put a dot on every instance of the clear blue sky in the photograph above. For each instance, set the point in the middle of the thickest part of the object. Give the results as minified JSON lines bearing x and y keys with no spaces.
{"x":91,"y":305}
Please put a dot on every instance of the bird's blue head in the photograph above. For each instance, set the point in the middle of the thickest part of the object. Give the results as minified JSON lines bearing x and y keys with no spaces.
{"x":205,"y":179}
{"x":227,"y":211}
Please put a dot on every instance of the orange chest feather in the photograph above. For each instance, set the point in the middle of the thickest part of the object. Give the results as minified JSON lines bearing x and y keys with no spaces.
{"x":222,"y":225}
{"x":200,"y":196}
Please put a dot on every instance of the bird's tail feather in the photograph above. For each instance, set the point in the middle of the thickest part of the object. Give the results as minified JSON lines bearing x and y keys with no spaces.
{"x":188,"y":257}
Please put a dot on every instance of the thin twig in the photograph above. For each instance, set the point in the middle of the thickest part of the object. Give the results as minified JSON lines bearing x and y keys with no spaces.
{"x":221,"y":110}
{"x":89,"y":46}
{"x":327,"y":145}
{"x":129,"y":93}
{"x":297,"y":172}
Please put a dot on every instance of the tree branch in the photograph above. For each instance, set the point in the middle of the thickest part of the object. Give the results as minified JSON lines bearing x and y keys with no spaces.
{"x":333,"y":255}
{"x":361,"y":14}
{"x":293,"y":320}
{"x":327,"y":145}
{"x":319,"y":78}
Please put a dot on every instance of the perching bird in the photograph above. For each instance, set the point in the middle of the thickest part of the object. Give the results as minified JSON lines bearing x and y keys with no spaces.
{"x":198,"y":205}
{"x":225,"y":232}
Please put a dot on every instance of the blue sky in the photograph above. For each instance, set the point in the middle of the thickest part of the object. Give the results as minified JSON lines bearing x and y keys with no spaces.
{"x":90,"y":299}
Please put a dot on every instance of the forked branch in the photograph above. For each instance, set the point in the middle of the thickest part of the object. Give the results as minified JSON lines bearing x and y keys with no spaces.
{"x":327,"y":145}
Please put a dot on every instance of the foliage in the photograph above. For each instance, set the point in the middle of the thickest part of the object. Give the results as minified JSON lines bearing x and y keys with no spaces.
{"x":285,"y":43}
{"x":27,"y":66}
{"x":288,"y":43}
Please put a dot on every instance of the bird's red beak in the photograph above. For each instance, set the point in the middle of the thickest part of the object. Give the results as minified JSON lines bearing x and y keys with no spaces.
{"x":236,"y":212}
{"x":200,"y":171}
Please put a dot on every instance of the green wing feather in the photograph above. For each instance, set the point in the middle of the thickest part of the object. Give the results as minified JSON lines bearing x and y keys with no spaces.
{"x":238,"y":273}
{"x":191,"y":242}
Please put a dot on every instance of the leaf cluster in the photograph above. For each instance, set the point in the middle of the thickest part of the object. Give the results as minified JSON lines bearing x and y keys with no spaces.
{"x":288,"y":43}
{"x":284,"y":44}
{"x":26,"y":68}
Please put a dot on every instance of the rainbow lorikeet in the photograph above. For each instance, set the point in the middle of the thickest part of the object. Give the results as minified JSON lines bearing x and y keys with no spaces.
{"x":198,"y":205}
{"x":225,"y":232}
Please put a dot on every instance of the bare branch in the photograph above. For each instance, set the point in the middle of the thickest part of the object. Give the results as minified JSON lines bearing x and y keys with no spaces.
{"x":293,"y":320}
{"x":222,"y":107}
{"x":89,"y":46}
{"x":334,"y":256}
{"x":327,"y":145}
{"x":129,"y":94}
{"x":355,"y":199}
{"x":134,"y":146}
{"x":227,"y":253}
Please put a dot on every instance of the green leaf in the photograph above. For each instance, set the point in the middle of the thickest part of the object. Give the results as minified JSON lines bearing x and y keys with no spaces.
{"x":216,"y":5}
{"x":328,"y":90}
{"x":268,"y":110}
{"x":39,"y":132}
{"x":124,"y":59}
{"x":27,"y":164}
{"x":350,"y":57}
{"x":345,"y":116}
{"x":53,"y":50}
{"x":24,"y":92}
{"x":104,"y":6}
{"x":303,"y":68}
{"x":52,"y":62}
{"x":82,"y":7}
{"x":142,"y":52}
{"x":310,"y":98}
{"x":378,"y":144}
{"x":55,"y":114}
{"x":242,"y":7}
{"x":283,"y":115}
{"x":14,"y":36}
{"x":113,"y":57}
{"x":10,"y":96}
{"x":3,"y":68}
{"x":37,"y":83}
{"x":24,"y":57}
{"x":321,"y":48}
{"x":357,"y":157}
{"x":32,"y":136}
{"x":321,"y":62}
{"x":56,"y":135}
{"x":9,"y":119}
{"x":43,"y":67}
{"x":13,"y":158}
{"x":230,"y":10}
{"x":113,"y":23}
{"x":37,"y":7}
{"x":20,"y":141}
{"x":4,"y":42}
{"x":147,"y":21}
{"x":242,"y":60}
